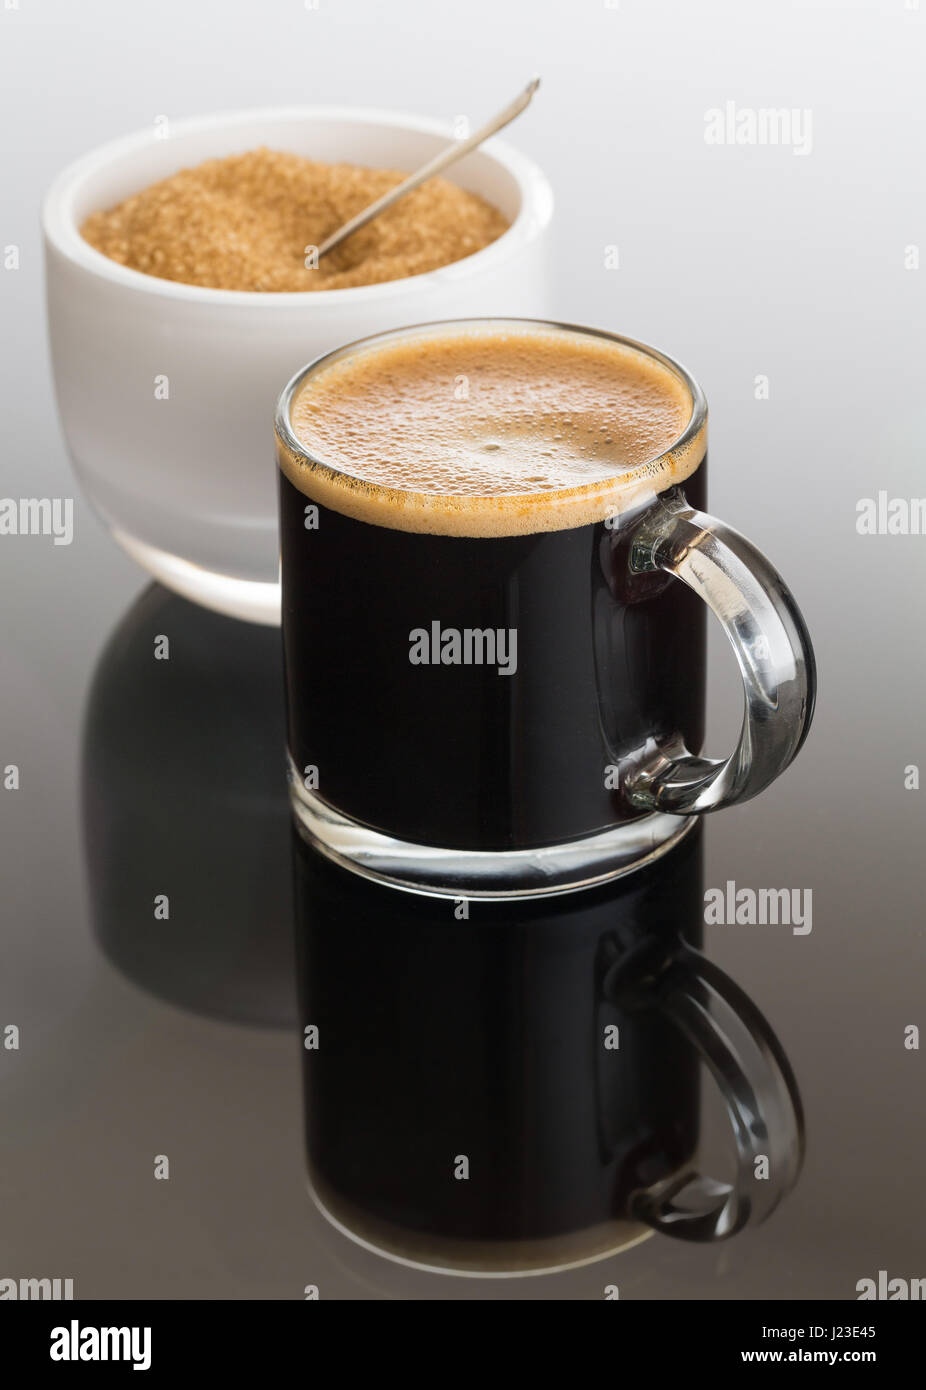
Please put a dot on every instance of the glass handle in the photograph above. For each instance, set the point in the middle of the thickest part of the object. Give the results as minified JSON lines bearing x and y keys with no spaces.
{"x":772,"y":647}
{"x":749,"y":1065}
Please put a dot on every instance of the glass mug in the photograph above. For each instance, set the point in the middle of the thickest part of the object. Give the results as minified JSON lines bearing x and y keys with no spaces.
{"x":572,"y":754}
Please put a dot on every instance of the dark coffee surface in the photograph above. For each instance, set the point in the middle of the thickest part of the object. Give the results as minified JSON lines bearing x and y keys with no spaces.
{"x":460,"y":755}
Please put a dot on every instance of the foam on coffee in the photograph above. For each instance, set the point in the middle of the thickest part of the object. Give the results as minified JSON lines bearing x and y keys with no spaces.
{"x":490,"y":431}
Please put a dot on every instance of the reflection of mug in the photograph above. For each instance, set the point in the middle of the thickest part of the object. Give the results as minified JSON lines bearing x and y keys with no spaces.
{"x":535,"y":734}
{"x":519,"y":1091}
{"x":182,"y":479}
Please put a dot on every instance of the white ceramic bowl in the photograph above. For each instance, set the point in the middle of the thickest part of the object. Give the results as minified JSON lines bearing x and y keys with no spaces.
{"x":187,"y":483}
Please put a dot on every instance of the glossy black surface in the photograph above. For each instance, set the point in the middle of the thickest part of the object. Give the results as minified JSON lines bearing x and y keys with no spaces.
{"x":183,"y":795}
{"x":757,"y":269}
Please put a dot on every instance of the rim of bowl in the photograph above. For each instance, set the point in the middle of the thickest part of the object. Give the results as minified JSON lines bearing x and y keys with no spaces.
{"x":62,"y":232}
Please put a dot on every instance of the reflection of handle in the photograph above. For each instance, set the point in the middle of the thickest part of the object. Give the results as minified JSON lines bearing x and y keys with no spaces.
{"x":758,"y":1085}
{"x":772,"y":647}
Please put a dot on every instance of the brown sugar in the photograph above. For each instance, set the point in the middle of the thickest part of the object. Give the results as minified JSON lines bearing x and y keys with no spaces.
{"x":245,"y":223}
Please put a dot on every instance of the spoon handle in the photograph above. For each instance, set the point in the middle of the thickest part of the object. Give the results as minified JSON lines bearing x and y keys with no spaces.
{"x":454,"y":151}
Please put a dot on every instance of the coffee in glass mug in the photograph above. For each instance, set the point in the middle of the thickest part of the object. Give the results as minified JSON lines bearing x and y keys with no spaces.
{"x":496,"y":565}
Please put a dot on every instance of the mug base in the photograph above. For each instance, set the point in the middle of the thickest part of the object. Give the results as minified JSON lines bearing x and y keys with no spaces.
{"x":457,"y":873}
{"x":251,"y":600}
{"x":474,"y":1259}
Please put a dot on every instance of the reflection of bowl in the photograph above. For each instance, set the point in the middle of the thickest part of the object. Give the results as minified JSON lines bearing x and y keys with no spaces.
{"x":183,"y":796}
{"x":187,"y":483}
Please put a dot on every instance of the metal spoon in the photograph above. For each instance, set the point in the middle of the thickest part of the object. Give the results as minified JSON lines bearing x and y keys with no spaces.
{"x":449,"y":156}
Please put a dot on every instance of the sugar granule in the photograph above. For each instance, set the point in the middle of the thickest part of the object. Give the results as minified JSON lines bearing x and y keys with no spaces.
{"x":244,"y":223}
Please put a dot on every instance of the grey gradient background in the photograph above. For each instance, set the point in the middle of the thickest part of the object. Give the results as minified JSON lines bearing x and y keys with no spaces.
{"x":740,"y":261}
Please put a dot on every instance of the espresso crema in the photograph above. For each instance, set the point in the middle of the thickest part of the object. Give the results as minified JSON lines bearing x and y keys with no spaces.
{"x":489,"y":432}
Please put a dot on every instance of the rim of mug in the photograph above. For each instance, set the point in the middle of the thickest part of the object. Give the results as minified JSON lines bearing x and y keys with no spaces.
{"x":63,"y":233}
{"x":290,"y":441}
